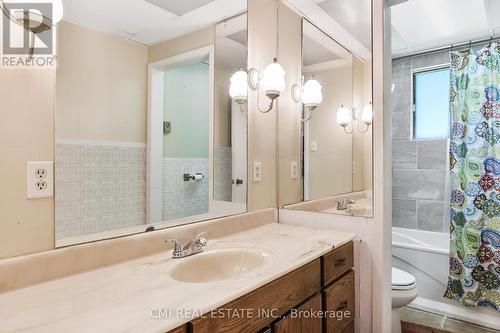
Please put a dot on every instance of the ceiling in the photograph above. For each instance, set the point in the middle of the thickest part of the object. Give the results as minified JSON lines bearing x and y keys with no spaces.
{"x":347,"y":21}
{"x":419,"y":25}
{"x":150,"y":21}
{"x":321,"y":52}
{"x":231,"y":44}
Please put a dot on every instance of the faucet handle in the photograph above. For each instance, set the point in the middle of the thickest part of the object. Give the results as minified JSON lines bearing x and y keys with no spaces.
{"x":177,"y":244}
{"x":200,"y":240}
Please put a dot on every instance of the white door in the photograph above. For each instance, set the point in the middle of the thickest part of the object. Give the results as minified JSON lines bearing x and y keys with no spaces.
{"x":239,"y":153}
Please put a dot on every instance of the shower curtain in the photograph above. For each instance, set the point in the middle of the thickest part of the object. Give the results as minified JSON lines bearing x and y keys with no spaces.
{"x":474,"y":278}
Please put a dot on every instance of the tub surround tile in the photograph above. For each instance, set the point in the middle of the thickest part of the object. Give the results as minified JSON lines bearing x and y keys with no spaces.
{"x":404,"y":155}
{"x":430,"y":215}
{"x":432,"y":154}
{"x":412,"y":155}
{"x":430,"y":59}
{"x":418,"y":184}
{"x":401,"y":125}
{"x":76,"y":303}
{"x":404,"y":213}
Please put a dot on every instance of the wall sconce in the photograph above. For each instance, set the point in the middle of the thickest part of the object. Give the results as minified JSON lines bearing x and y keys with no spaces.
{"x":238,"y":89}
{"x":346,"y":117}
{"x":310,"y":95}
{"x":272,"y":82}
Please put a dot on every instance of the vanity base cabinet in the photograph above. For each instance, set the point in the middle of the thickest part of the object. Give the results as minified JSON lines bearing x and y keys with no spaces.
{"x":339,"y":300}
{"x":303,"y":319}
{"x":299,"y":302}
{"x":261,"y":307}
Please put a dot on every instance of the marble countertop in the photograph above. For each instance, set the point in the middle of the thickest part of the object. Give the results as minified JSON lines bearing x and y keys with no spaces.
{"x":129,"y":297}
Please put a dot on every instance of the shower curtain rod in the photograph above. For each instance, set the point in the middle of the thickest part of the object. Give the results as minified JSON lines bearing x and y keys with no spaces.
{"x":451,"y":47}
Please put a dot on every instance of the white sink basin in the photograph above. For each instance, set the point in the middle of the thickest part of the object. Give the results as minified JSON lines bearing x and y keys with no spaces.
{"x":217,"y":265}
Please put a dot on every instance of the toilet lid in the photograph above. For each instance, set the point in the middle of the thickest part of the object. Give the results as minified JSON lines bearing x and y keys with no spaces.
{"x":402,"y":279}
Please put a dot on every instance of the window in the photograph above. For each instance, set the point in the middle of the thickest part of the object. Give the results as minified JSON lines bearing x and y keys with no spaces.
{"x":431,"y":99}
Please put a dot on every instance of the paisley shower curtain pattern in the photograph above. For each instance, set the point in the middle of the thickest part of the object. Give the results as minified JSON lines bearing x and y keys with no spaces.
{"x":474,"y":278}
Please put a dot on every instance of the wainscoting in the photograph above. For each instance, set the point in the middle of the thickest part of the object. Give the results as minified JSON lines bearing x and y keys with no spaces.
{"x":180,"y":198}
{"x":99,"y":186}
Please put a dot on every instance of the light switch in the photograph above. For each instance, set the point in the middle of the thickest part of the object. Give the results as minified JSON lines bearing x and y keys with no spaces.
{"x":257,"y":172}
{"x":294,"y":170}
{"x":314,"y":145}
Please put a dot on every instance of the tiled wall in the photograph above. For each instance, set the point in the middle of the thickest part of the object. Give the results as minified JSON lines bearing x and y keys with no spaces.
{"x":223,"y":174}
{"x":180,"y":198}
{"x":99,"y":187}
{"x":418,"y":167}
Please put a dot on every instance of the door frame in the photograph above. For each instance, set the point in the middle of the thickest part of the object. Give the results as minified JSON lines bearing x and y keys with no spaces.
{"x":156,"y":94}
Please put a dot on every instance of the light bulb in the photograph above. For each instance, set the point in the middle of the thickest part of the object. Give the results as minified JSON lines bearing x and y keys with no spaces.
{"x":273,"y":79}
{"x":367,"y":114}
{"x":311,"y":93}
{"x":238,"y":88}
{"x":344,"y":116}
{"x":57,"y":11}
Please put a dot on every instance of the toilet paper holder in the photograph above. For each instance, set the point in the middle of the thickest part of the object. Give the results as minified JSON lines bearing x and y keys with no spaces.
{"x":197,"y":177}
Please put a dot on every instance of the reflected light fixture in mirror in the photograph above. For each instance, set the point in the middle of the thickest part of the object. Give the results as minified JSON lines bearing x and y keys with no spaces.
{"x":345,"y":117}
{"x":273,"y":83}
{"x":238,"y":89}
{"x":310,"y":95}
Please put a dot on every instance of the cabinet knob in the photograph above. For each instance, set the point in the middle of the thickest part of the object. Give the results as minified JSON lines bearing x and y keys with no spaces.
{"x":342,"y":306}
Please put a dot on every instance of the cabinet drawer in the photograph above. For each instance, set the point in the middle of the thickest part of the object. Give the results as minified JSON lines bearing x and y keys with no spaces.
{"x":339,"y":299}
{"x":337,"y":263}
{"x":281,"y":294}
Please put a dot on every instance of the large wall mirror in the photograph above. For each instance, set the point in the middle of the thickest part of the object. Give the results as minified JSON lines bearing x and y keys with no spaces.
{"x":147,"y":135}
{"x":336,"y":94}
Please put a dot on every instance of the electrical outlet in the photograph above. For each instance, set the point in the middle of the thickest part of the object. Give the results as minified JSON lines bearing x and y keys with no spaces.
{"x":41,"y":173}
{"x":257,"y":172}
{"x":294,"y":170}
{"x":40,"y":179}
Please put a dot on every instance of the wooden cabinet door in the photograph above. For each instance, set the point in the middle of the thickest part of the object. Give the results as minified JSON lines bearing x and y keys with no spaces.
{"x":337,"y":263}
{"x":340,"y":300}
{"x":281,"y":295}
{"x":304,"y":319}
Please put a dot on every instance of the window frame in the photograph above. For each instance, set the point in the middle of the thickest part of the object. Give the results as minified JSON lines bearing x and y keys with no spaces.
{"x":413,"y":108}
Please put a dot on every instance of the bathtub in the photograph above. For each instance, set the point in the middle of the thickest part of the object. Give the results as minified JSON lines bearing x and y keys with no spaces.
{"x":425,"y":255}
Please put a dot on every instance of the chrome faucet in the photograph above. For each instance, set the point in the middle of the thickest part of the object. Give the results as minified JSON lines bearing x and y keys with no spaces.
{"x":194,"y":246}
{"x":344,"y":204}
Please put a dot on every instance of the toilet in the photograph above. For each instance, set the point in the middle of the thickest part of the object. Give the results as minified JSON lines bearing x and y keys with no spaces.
{"x":404,"y":291}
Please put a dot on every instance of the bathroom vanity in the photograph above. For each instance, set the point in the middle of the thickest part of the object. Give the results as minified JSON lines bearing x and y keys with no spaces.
{"x":323,"y":287}
{"x":244,"y":281}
